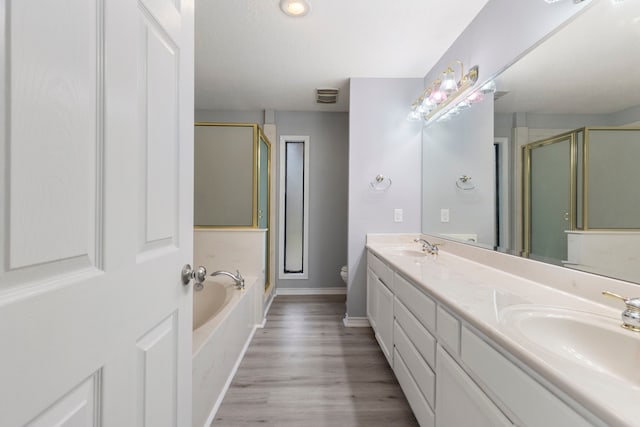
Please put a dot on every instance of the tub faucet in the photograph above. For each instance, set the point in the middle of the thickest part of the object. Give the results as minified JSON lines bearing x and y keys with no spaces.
{"x":426,"y":246}
{"x":236,"y":277}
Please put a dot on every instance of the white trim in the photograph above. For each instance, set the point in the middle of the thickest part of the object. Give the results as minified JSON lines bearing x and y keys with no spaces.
{"x":215,"y":408}
{"x":312,"y":291}
{"x":305,"y":249}
{"x":505,"y":196}
{"x":272,"y":296}
{"x":355,"y":322}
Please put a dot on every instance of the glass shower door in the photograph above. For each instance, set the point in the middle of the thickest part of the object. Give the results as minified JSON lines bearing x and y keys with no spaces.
{"x":550,"y":196}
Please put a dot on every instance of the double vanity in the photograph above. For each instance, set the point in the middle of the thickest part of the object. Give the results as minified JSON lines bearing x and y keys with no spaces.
{"x":474,"y":341}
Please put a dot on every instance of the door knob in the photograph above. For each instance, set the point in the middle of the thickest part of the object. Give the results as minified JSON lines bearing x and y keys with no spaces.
{"x":199,"y":274}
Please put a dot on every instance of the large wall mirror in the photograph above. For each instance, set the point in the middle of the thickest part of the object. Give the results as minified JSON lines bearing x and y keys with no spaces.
{"x":544,"y":167}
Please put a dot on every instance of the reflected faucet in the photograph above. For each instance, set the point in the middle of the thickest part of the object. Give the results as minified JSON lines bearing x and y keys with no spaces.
{"x":236,"y":277}
{"x":426,"y":246}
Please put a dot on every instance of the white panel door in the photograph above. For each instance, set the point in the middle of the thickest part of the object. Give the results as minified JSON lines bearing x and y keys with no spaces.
{"x":96,"y":166}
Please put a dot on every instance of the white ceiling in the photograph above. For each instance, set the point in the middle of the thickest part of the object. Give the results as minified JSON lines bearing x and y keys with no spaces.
{"x":250,"y":56}
{"x":591,"y":66}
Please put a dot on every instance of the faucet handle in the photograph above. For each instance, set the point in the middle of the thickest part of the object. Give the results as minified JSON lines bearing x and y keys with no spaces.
{"x":631,"y":303}
{"x":631,"y":315}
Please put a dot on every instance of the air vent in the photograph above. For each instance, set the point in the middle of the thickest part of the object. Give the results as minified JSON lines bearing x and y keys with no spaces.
{"x":326,"y":96}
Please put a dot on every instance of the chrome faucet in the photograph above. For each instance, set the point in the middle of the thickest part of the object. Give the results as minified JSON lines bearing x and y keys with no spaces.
{"x":236,"y":277}
{"x":426,"y":246}
{"x":631,"y":315}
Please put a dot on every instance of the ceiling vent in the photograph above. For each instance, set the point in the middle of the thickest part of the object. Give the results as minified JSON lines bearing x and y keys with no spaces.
{"x":326,"y":96}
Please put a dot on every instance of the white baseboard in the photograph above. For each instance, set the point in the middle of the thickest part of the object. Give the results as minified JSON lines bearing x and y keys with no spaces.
{"x":356,"y":322}
{"x":312,"y":291}
{"x":215,"y":408}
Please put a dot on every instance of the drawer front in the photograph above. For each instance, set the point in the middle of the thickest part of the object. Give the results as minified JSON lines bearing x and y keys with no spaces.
{"x":422,"y":340}
{"x":448,"y":328}
{"x":416,"y":400}
{"x":528,"y":400}
{"x":420,"y":371}
{"x":422,"y":307}
{"x":380,"y":269}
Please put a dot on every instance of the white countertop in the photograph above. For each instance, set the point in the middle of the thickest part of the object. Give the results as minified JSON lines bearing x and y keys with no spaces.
{"x":478,"y":294}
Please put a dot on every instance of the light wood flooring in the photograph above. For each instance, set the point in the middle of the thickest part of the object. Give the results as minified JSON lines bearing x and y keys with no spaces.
{"x":305,"y":369}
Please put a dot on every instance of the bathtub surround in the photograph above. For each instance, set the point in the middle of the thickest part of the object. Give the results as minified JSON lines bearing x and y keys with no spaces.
{"x":230,"y":249}
{"x":225,"y":320}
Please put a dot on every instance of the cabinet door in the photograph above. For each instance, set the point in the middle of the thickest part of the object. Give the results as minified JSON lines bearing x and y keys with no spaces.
{"x":372,"y":298}
{"x":459,"y":401}
{"x":384,"y":321}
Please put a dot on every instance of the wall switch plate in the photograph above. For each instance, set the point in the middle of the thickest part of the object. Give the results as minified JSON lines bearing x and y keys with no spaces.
{"x":444,"y":215}
{"x":397,"y":215}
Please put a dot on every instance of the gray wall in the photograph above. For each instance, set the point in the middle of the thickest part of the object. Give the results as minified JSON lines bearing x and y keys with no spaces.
{"x":381,"y":141}
{"x":328,"y":171}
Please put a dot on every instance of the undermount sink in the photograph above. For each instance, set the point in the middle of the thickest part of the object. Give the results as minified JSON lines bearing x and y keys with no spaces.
{"x":413,"y":253}
{"x":589,"y":341}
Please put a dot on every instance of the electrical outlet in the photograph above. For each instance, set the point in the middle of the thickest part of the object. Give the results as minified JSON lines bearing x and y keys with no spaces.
{"x":444,"y":215}
{"x":397,"y":215}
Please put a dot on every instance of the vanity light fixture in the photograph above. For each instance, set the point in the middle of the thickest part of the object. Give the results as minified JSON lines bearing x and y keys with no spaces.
{"x":295,"y":8}
{"x":435,"y":100}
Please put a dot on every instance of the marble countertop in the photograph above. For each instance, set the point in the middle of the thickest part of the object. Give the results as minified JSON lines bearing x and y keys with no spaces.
{"x":481,"y":295}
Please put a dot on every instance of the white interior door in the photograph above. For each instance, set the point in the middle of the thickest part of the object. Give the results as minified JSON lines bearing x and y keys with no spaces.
{"x":96,"y":160}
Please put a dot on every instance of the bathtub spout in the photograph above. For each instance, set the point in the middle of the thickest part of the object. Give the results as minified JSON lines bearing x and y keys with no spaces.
{"x":236,"y":277}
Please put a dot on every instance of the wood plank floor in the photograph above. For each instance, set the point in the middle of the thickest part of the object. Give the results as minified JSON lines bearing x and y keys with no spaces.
{"x":306,"y":369}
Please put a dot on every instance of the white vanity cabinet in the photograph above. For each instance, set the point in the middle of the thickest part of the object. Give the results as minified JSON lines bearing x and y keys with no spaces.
{"x":460,"y":402}
{"x":451,"y":375}
{"x":380,"y":303}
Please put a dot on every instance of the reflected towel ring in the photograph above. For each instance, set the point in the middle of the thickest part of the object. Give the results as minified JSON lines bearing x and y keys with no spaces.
{"x":380,"y":183}
{"x":464,"y":183}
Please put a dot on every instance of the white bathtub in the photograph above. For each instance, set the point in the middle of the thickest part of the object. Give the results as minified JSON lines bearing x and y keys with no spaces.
{"x":224,"y":320}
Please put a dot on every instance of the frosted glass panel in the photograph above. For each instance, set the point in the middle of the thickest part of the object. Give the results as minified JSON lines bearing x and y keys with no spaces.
{"x":224,"y":168}
{"x":294,"y":207}
{"x":613,"y":196}
{"x":550,"y":199}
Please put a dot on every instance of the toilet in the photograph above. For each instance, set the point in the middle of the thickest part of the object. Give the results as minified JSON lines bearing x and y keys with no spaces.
{"x":344,"y":273}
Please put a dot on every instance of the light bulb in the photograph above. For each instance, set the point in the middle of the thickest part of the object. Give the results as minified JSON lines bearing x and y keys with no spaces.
{"x":449,"y":85}
{"x":414,"y":116}
{"x":295,"y":7}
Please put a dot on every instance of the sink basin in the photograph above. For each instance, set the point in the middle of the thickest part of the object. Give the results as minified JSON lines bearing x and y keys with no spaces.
{"x":590,"y":341}
{"x":413,"y":253}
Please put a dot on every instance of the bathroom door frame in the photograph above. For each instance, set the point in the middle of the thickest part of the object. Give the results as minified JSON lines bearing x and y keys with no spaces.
{"x":96,"y":210}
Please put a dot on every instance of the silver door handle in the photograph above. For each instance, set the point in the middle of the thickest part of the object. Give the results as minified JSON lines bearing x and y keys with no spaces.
{"x":199,"y":274}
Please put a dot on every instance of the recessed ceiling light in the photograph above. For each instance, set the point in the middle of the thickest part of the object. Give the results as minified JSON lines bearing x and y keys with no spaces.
{"x":295,"y":7}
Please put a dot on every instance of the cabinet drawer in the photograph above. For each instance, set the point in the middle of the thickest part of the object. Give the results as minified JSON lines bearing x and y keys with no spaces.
{"x":416,"y":400}
{"x":448,"y":328}
{"x":460,"y":401}
{"x":380,"y":269}
{"x":422,"y":307}
{"x":422,"y":340}
{"x":420,"y":371}
{"x":528,"y":400}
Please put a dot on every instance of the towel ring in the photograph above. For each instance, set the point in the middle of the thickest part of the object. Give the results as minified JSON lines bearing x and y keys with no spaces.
{"x":380,"y":183}
{"x":464,"y":183}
